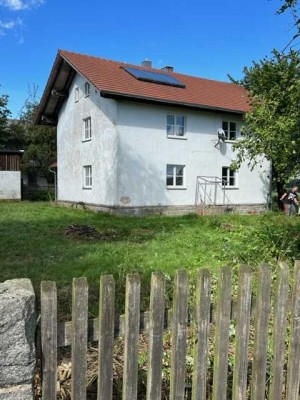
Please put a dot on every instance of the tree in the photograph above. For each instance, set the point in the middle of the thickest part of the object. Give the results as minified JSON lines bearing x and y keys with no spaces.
{"x":272,"y":127}
{"x":4,"y":114}
{"x":293,"y":7}
{"x":40,"y":141}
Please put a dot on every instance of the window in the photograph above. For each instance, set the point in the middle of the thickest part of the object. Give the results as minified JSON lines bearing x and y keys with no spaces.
{"x":229,"y":128}
{"x":175,"y":176}
{"x":87,"y":128}
{"x":76,"y":94}
{"x":87,"y":176}
{"x":175,"y":125}
{"x":87,"y":87}
{"x":229,"y":177}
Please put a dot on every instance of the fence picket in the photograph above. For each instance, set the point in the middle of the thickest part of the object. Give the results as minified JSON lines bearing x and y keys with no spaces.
{"x":79,"y":338}
{"x":293,"y":372}
{"x":49,"y":339}
{"x":180,"y":305}
{"x":242,"y":334}
{"x":259,"y":367}
{"x":106,"y":337}
{"x":132,"y":323}
{"x":156,"y":330}
{"x":202,"y":320}
{"x":222,"y":335}
{"x":279,"y":330}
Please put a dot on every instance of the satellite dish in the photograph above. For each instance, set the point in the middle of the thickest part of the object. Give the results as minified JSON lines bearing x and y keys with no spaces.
{"x":221,"y":135}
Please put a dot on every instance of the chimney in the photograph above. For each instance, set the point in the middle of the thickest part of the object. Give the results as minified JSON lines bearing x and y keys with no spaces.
{"x":168,"y":68}
{"x":147,"y":63}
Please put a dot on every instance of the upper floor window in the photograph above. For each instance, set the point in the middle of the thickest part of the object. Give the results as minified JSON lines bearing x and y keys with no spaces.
{"x":175,"y":176}
{"x":87,"y":176}
{"x":87,"y":128}
{"x":229,"y":127}
{"x":76,"y":94}
{"x":87,"y":88}
{"x":229,"y":177}
{"x":175,"y":125}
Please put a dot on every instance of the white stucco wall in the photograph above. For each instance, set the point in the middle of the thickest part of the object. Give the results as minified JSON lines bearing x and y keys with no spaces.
{"x":145,"y":150}
{"x":10,"y":185}
{"x":129,"y":151}
{"x":100,"y":152}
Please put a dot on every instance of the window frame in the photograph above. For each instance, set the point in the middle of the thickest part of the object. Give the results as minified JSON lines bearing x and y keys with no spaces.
{"x":174,"y":135}
{"x":228,"y":131}
{"x":175,"y":176}
{"x":87,"y":89}
{"x":87,"y":177}
{"x":87,"y":129}
{"x":76,"y":95}
{"x":230,"y":174}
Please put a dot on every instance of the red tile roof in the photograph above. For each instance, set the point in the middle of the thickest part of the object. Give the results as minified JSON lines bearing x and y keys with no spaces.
{"x":110,"y":78}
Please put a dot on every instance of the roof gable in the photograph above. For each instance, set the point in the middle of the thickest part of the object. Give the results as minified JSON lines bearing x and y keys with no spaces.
{"x":113,"y":80}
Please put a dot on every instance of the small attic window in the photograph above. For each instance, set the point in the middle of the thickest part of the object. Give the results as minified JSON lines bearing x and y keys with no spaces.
{"x":154,"y":77}
{"x":87,"y":88}
{"x":76,"y":94}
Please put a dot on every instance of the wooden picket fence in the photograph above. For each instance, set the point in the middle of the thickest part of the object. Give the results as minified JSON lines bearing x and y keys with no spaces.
{"x":272,"y":320}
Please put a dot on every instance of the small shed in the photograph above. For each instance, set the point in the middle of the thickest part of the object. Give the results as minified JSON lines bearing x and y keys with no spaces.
{"x":10,"y":174}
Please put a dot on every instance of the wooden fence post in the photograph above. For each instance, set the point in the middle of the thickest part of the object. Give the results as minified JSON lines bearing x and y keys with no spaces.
{"x":156,"y":330}
{"x":279,"y":331}
{"x":262,"y":313}
{"x":106,"y":337}
{"x":242,"y":334}
{"x":293,"y":372}
{"x":202,"y":320}
{"x":49,"y":339}
{"x":180,"y":307}
{"x":222,"y":335}
{"x":132,"y":326}
{"x":79,"y":338}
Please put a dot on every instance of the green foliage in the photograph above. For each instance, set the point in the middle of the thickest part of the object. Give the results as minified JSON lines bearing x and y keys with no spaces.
{"x":272,"y":127}
{"x":40,"y":141}
{"x":4,"y":114}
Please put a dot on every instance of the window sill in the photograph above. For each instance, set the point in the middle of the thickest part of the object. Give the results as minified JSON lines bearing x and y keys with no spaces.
{"x":86,"y":140}
{"x":87,"y":95}
{"x":176,"y":137}
{"x":176,"y":187}
{"x":87,"y":188}
{"x":231,"y":188}
{"x":230,"y":141}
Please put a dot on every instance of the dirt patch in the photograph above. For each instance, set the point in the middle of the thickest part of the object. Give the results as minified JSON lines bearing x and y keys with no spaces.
{"x":91,"y":233}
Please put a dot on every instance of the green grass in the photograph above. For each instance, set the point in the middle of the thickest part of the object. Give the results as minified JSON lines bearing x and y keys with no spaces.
{"x":33,"y":244}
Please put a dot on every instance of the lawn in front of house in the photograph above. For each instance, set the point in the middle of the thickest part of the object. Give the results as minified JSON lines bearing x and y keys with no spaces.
{"x":44,"y":241}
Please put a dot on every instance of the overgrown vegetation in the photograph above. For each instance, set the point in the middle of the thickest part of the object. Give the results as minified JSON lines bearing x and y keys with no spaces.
{"x":37,"y":242}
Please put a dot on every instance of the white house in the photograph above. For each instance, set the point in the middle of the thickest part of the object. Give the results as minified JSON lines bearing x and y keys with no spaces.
{"x":135,"y":139}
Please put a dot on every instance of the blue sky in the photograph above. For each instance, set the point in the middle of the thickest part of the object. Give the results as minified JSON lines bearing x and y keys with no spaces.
{"x":203,"y":38}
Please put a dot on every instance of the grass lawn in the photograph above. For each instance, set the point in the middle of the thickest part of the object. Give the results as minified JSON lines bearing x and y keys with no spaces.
{"x":34,"y":243}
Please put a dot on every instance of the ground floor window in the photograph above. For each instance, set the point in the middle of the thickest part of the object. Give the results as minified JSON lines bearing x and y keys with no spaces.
{"x":229,"y":177}
{"x":175,"y":176}
{"x":87,"y":176}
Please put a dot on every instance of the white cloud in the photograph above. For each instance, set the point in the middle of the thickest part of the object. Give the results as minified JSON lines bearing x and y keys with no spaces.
{"x":7,"y":26}
{"x":17,"y":5}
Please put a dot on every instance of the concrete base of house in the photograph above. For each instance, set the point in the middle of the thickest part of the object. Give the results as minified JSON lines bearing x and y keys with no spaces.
{"x":171,"y":210}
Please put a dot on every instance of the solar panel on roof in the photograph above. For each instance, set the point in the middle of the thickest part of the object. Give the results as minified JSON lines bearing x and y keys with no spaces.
{"x":155,"y":77}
